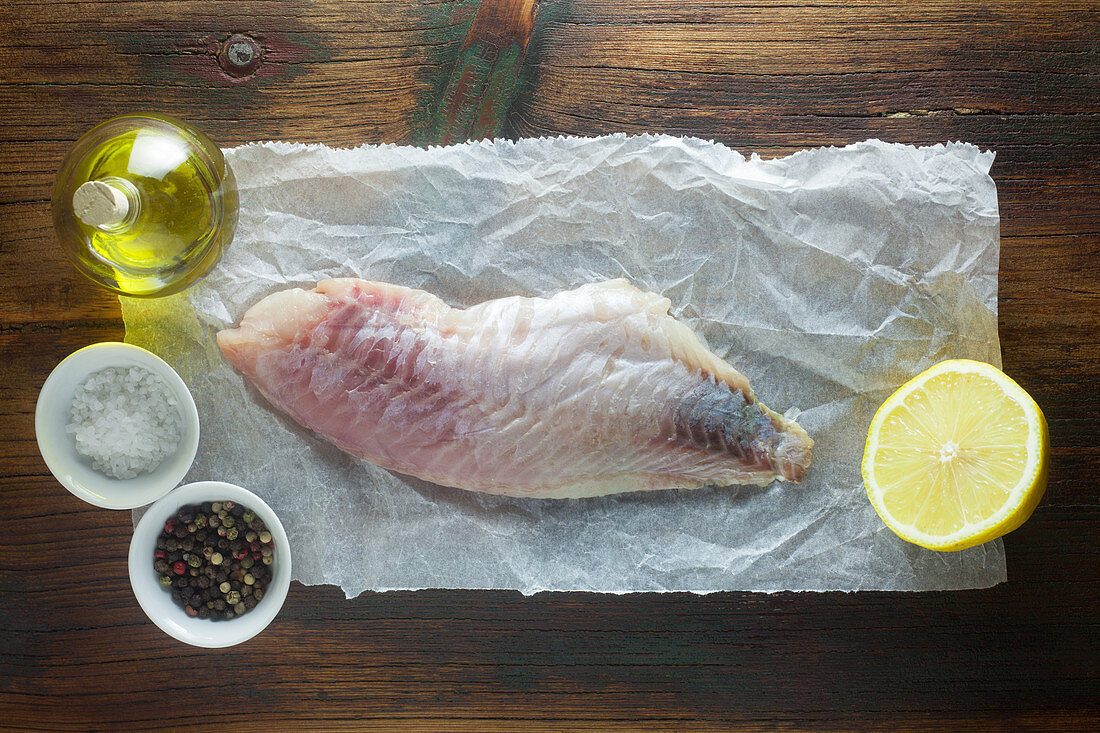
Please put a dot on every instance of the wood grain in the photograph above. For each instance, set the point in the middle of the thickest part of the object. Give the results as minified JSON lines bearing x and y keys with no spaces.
{"x":1021,"y":78}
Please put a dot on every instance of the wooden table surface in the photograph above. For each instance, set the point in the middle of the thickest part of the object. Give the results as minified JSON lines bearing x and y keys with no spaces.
{"x":1021,"y":78}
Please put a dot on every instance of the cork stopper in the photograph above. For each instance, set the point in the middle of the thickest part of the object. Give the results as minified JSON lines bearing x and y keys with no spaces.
{"x":100,"y":204}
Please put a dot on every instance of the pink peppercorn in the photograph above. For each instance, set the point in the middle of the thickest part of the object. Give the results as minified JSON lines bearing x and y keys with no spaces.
{"x":160,"y":554}
{"x":179,"y":567}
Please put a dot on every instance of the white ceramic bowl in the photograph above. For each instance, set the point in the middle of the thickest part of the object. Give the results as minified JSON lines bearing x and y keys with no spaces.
{"x":156,"y":600}
{"x":58,"y":447}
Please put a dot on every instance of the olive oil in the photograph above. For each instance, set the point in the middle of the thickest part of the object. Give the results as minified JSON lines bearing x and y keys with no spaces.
{"x":145,"y":204}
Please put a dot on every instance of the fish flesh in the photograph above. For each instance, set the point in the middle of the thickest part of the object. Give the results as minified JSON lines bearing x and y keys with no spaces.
{"x":593,"y":391}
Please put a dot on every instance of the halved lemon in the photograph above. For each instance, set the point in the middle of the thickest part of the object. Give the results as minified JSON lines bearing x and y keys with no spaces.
{"x":957,"y":456}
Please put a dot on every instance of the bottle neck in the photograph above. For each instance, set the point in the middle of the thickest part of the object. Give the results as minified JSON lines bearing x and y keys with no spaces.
{"x":109,"y":204}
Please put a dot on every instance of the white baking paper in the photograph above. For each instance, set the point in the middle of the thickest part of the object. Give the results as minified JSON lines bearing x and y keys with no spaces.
{"x":828,"y":278}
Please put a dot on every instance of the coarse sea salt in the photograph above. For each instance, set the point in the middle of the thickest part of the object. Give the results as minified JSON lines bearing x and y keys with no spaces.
{"x":126,"y":420}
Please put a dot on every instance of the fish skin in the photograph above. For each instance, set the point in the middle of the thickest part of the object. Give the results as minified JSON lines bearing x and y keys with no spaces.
{"x":593,"y":391}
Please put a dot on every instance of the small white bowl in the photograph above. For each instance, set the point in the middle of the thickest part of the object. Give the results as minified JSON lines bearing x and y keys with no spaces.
{"x":156,"y":600}
{"x":58,"y":447}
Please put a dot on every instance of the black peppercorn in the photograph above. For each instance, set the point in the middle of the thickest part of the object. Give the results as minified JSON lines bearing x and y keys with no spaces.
{"x":207,"y":557}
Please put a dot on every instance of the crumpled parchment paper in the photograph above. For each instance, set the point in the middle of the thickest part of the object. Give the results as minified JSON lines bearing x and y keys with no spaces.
{"x":828,"y":278}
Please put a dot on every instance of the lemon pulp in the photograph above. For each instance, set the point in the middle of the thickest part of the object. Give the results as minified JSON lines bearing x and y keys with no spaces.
{"x":956,"y":457}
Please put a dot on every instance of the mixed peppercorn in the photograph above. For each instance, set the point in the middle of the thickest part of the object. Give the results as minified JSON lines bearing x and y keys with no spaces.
{"x":215,"y":558}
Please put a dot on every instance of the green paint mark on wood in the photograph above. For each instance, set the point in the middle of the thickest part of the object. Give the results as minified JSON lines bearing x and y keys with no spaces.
{"x":475,"y":102}
{"x":473,"y":89}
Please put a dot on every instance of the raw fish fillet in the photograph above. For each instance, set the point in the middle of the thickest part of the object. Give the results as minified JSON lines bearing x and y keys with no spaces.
{"x":593,"y":391}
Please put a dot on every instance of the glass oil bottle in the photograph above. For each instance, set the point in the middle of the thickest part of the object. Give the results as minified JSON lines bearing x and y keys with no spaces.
{"x":144,"y":204}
